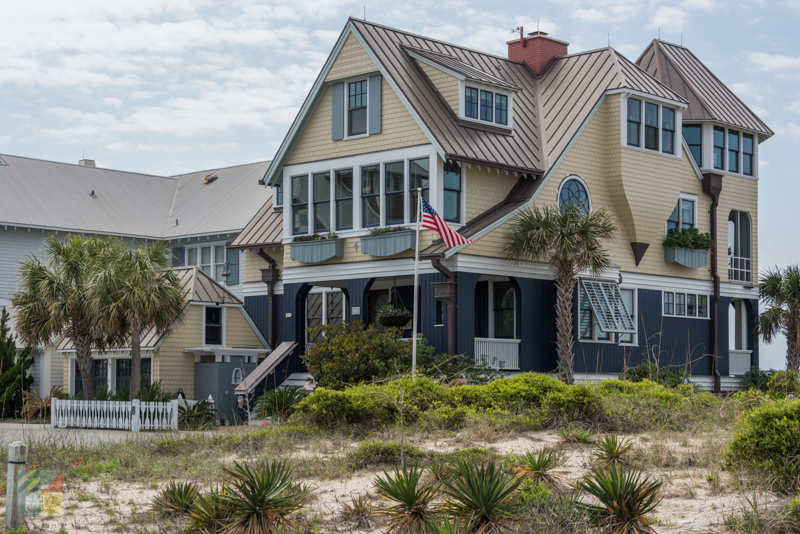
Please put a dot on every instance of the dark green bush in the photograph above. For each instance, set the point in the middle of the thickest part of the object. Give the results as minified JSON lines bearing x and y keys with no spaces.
{"x":666,"y":376}
{"x":755,"y":378}
{"x":371,"y":453}
{"x":580,"y":402}
{"x":783,"y":383}
{"x":689,"y":238}
{"x":768,"y":438}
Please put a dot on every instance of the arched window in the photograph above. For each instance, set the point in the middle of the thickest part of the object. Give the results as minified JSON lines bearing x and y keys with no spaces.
{"x":573,"y":192}
{"x":237,"y":377}
{"x":739,"y":254}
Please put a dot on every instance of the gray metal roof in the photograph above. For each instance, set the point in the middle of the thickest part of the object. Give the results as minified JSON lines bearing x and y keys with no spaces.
{"x":263,"y":230}
{"x":467,"y":71}
{"x":46,"y":194}
{"x":709,"y":99}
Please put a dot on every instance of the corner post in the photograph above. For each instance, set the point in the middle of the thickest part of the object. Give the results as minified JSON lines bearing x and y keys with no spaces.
{"x":136,"y":416}
{"x":15,"y":500}
{"x":173,"y":414}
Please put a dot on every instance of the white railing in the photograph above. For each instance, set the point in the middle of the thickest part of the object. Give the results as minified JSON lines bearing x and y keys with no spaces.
{"x":497,"y":353}
{"x":134,"y":415}
{"x":739,"y":361}
{"x":739,"y":269}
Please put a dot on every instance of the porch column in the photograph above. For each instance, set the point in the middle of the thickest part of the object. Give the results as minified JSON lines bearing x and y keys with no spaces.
{"x":536,"y":325}
{"x":292,"y":326}
{"x":357,"y":297}
{"x":465,"y":313}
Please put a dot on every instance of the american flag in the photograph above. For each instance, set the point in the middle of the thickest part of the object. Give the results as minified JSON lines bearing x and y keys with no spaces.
{"x":432,"y":221}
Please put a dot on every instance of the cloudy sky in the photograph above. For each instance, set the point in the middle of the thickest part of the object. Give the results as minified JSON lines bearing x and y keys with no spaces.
{"x":168,"y":86}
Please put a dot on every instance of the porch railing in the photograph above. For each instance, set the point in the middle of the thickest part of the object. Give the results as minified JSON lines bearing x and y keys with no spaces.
{"x":739,"y":269}
{"x":134,"y":415}
{"x":739,"y":361}
{"x":497,"y":353}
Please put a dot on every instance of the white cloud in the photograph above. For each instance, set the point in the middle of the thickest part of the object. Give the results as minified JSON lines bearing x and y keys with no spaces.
{"x":762,"y":163}
{"x":668,"y":18}
{"x":113,"y":102}
{"x":791,"y":130}
{"x":703,"y":5}
{"x":758,"y":110}
{"x":773,"y":62}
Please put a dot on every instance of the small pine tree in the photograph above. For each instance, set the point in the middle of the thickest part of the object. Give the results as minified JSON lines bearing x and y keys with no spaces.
{"x":14,"y":377}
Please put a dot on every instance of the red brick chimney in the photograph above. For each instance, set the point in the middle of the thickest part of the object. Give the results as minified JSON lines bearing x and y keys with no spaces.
{"x":537,"y":49}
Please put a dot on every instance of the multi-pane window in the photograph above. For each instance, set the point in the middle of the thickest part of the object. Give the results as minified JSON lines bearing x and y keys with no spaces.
{"x":205,"y":260}
{"x":693,"y":133}
{"x":634,"y":121}
{"x":210,"y":259}
{"x":682,"y":216}
{"x":650,"y":126}
{"x":739,"y":253}
{"x":733,"y":151}
{"x":679,"y":304}
{"x":219,"y":264}
{"x":574,"y":194}
{"x":371,"y":196}
{"x":344,"y":199}
{"x":419,"y":177}
{"x":213,"y":326}
{"x":324,"y":308}
{"x":487,"y":106}
{"x":322,"y":201}
{"x":300,"y":204}
{"x":452,"y":192}
{"x":719,"y":148}
{"x":503,"y":310}
{"x":668,"y":130}
{"x":395,"y":192}
{"x":471,"y":102}
{"x":501,"y":109}
{"x":357,"y":108}
{"x":278,"y":195}
{"x":747,"y":154}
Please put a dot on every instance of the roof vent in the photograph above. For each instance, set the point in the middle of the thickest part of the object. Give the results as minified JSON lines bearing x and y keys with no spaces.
{"x":92,"y":194}
{"x":87,"y":163}
{"x":2,"y":162}
{"x":211,"y":177}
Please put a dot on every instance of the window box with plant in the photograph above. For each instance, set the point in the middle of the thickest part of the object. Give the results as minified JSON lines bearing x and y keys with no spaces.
{"x":391,"y":315}
{"x":388,"y":241}
{"x":688,"y":247}
{"x":315,"y":248}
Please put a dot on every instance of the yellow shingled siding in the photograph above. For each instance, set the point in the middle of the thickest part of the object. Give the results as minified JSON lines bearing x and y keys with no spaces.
{"x":352,"y":255}
{"x":238,"y":332}
{"x":66,"y":374}
{"x":447,"y":85}
{"x":739,"y":194}
{"x":171,"y":365}
{"x":485,"y":188}
{"x":351,"y":61}
{"x":253,"y":263}
{"x":398,"y":128}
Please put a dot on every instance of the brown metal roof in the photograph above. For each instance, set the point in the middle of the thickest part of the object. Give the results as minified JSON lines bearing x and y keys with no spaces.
{"x":459,"y":67}
{"x":265,"y":367}
{"x":199,"y":287}
{"x":709,"y":99}
{"x":263,"y":230}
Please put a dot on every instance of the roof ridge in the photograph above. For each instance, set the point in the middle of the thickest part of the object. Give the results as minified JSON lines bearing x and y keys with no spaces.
{"x":179,"y":176}
{"x":690,"y":85}
{"x":621,"y":57}
{"x":85,"y":167}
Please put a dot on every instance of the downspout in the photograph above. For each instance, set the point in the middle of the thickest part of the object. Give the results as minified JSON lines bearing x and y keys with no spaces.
{"x":270,"y":277}
{"x":712,"y":186}
{"x":451,"y":305}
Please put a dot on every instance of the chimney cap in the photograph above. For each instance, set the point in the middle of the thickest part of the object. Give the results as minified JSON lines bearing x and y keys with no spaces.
{"x":537,"y":34}
{"x":87,"y":163}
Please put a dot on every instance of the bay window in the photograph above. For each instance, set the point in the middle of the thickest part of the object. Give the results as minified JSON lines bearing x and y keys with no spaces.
{"x":419,"y":178}
{"x":322,"y":201}
{"x":733,"y":151}
{"x":667,"y":130}
{"x":747,"y":154}
{"x":344,"y":199}
{"x":395,"y":192}
{"x":452,"y":192}
{"x":300,"y":204}
{"x":634,"y":121}
{"x":719,"y":148}
{"x":371,"y":196}
{"x":650,"y":126}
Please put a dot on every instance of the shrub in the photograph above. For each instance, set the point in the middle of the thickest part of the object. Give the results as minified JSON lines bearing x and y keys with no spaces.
{"x":666,"y":376}
{"x":784,"y":382}
{"x":755,"y":378}
{"x":625,"y":500}
{"x":381,"y":453}
{"x":209,"y":514}
{"x":198,"y":416}
{"x":580,"y":402}
{"x":175,"y":497}
{"x":407,"y":498}
{"x":152,"y":392}
{"x":539,"y":467}
{"x":612,"y":450}
{"x":359,"y":511}
{"x":689,"y":238}
{"x":35,"y":404}
{"x":768,"y":438}
{"x":279,"y":403}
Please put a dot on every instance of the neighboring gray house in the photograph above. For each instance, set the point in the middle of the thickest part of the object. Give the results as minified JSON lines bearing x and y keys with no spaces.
{"x":196,"y":214}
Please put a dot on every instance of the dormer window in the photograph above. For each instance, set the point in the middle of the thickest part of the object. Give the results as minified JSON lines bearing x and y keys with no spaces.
{"x":471,"y":102}
{"x":501,"y":109}
{"x":357,"y":108}
{"x":487,"y":106}
{"x":660,"y":123}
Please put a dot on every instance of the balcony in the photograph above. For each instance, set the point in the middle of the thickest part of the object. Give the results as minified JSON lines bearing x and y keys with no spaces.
{"x":739,"y":269}
{"x":739,"y":361}
{"x":497,"y":353}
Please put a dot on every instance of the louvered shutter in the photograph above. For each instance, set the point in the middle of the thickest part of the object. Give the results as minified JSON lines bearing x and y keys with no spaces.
{"x":374,"y":111}
{"x":337,"y":125}
{"x":608,"y":307}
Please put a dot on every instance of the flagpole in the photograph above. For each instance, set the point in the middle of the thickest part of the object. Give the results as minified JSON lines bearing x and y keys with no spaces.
{"x":416,"y":287}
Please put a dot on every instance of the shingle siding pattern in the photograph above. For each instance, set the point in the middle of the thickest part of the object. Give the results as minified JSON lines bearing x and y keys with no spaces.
{"x":171,"y":365}
{"x":238,"y":332}
{"x":253,"y":263}
{"x":446,"y":84}
{"x":739,"y":194}
{"x":485,"y":188}
{"x":15,"y":245}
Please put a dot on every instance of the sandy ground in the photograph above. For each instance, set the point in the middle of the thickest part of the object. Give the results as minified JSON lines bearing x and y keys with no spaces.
{"x":691,"y":502}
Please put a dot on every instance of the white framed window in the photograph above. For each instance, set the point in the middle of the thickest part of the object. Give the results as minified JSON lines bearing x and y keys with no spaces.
{"x":589,"y":326}
{"x":237,"y":377}
{"x":684,"y":216}
{"x":211,"y":258}
{"x":574,"y":192}
{"x":214,"y":325}
{"x":650,"y":125}
{"x":739,"y":249}
{"x":495,"y":308}
{"x":732,"y":150}
{"x":357,"y":104}
{"x":324,"y":307}
{"x":486,"y":104}
{"x":682,"y":304}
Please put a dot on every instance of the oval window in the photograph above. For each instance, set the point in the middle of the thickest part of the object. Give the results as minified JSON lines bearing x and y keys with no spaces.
{"x":573,"y":193}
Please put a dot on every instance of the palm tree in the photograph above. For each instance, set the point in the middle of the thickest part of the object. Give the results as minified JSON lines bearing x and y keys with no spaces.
{"x":571,"y":241}
{"x":59,"y":297}
{"x":138,"y":290}
{"x":780,"y":292}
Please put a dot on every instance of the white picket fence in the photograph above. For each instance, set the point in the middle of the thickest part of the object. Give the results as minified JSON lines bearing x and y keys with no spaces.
{"x":134,"y":415}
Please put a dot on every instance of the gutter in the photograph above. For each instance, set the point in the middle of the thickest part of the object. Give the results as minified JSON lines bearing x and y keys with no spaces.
{"x":712,"y":186}
{"x":496,"y":165}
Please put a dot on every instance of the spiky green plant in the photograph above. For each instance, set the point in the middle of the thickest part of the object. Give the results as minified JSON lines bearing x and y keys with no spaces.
{"x":198,"y":416}
{"x":359,"y":510}
{"x":612,"y":450}
{"x":539,"y":466}
{"x":175,"y":497}
{"x":443,"y":527}
{"x":279,"y":403}
{"x":482,"y":498}
{"x":209,"y":515}
{"x":262,"y":499}
{"x":571,"y":434}
{"x":408,"y":495}
{"x":626,"y":498}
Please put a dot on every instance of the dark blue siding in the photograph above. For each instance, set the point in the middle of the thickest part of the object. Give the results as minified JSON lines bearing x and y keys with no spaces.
{"x":536,"y":324}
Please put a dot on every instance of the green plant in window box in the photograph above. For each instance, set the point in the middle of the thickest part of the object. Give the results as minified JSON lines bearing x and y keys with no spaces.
{"x":393,"y":316}
{"x":387,"y":230}
{"x":689,"y":238}
{"x":315,"y":237}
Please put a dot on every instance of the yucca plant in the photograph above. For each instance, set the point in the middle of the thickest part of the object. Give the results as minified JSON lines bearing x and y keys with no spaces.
{"x":539,"y":467}
{"x":571,"y":434}
{"x":482,"y":498}
{"x":443,"y":527}
{"x":175,"y":497}
{"x":208,"y":515}
{"x":279,"y":403}
{"x":359,"y":510}
{"x":612,"y":450}
{"x":198,"y":416}
{"x":626,"y":498}
{"x":259,"y":500}
{"x":408,"y":495}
